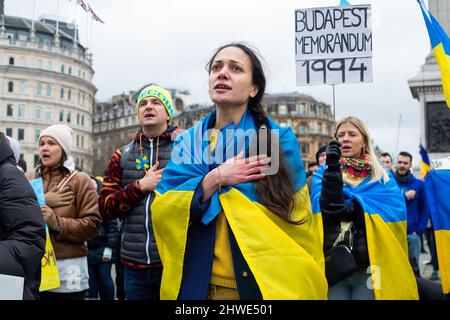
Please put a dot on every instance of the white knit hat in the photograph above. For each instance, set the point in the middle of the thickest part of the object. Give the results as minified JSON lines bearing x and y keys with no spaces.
{"x":62,"y":134}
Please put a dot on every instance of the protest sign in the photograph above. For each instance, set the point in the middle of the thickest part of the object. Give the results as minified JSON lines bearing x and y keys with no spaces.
{"x":333,"y":45}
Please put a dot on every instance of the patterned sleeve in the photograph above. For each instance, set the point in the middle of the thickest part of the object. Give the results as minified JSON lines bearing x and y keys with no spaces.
{"x":114,"y":200}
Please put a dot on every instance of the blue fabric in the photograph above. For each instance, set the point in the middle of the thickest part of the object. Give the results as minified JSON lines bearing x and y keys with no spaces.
{"x":414,"y":247}
{"x":191,"y":148}
{"x":374,"y":197}
{"x":436,"y":191}
{"x":417,"y":210}
{"x":352,"y":288}
{"x":142,"y":284}
{"x":100,"y":281}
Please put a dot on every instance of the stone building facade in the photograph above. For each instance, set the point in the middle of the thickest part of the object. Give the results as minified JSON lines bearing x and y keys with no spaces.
{"x":45,"y":78}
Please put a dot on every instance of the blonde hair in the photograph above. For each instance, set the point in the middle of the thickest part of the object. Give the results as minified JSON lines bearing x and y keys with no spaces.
{"x":377,"y":170}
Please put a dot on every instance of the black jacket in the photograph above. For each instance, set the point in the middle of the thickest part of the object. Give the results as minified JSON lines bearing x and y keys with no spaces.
{"x":108,"y":237}
{"x":22,"y":231}
{"x":335,"y":208}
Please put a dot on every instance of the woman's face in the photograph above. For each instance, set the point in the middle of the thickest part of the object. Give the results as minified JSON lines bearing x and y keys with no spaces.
{"x":230,"y":79}
{"x":352,"y":140}
{"x":49,"y":151}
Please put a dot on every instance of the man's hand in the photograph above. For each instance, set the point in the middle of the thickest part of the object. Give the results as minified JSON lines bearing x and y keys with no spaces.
{"x":50,"y":218}
{"x":151,"y":179}
{"x":410,"y":194}
{"x":58,"y":198}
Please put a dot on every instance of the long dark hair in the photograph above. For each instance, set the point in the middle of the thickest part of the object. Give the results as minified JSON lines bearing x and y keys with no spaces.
{"x":276,"y":192}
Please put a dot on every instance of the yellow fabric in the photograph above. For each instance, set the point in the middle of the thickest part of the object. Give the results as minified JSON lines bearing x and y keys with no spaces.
{"x":222,"y":267}
{"x":443,"y":253}
{"x":444,"y":64}
{"x":392,"y":277}
{"x":286,"y":259}
{"x":170,"y":217}
{"x":49,"y":269}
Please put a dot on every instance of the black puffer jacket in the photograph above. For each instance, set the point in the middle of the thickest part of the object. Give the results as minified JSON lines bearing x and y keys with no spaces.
{"x":22,"y":231}
{"x":335,"y":208}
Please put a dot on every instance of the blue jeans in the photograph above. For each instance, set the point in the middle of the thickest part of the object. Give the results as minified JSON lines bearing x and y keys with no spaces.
{"x":414,"y":247}
{"x":142,"y":284}
{"x":354,"y":287}
{"x":100,"y":281}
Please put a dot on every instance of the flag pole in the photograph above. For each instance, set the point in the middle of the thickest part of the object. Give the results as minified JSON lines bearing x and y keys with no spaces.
{"x":57,"y":17}
{"x":334,"y":105}
{"x":398,"y":135}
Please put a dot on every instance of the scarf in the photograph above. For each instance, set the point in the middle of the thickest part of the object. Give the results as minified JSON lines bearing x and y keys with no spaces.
{"x":355,"y":170}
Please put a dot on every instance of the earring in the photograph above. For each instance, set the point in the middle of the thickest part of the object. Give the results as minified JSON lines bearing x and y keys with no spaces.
{"x":364,"y":150}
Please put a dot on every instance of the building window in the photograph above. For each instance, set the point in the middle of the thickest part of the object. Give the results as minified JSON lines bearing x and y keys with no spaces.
{"x":37,"y":133}
{"x":302,"y":129}
{"x":304,"y":147}
{"x":282,"y":109}
{"x":82,"y":142}
{"x":48,"y":114}
{"x":69,"y":94}
{"x":37,"y":113}
{"x":39,"y":89}
{"x":21,"y":134}
{"x":49,"y":66}
{"x":82,"y":99}
{"x":319,"y":127}
{"x":82,"y":121}
{"x":40,"y":64}
{"x":78,"y":140}
{"x":61,"y":116}
{"x":62,"y":68}
{"x":69,"y":115}
{"x":36,"y":160}
{"x":22,"y":87}
{"x":21,"y":111}
{"x":62,"y":93}
{"x":10,"y":86}
{"x":9,"y":132}
{"x":70,"y":71}
{"x":302,"y":108}
{"x":78,"y":119}
{"x":292,"y":108}
{"x":79,"y":73}
{"x":79,"y":97}
{"x":9,"y":110}
{"x":11,"y":61}
{"x":84,"y":75}
{"x":82,"y":164}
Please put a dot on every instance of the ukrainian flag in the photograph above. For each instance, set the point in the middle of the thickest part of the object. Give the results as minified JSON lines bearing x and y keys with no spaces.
{"x":436,"y":190}
{"x":441,"y":48}
{"x":425,"y":163}
{"x":286,"y":259}
{"x":385,"y":218}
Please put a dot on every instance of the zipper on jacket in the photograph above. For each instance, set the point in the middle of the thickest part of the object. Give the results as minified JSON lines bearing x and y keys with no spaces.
{"x":147,"y":215}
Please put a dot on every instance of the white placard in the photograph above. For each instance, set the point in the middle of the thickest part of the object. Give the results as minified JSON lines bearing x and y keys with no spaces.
{"x":11,"y":287}
{"x":333,"y":45}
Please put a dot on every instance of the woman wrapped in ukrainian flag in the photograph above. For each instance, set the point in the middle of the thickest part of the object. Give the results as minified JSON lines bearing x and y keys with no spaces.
{"x":226,"y":226}
{"x":363,"y":210}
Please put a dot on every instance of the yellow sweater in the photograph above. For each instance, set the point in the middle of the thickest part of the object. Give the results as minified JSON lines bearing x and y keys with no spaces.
{"x":222,"y":268}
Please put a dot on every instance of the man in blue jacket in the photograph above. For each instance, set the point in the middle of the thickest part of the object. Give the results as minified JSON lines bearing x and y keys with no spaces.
{"x":414,"y":194}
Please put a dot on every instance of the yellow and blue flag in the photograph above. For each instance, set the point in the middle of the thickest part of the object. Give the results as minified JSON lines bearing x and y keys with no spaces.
{"x":385,"y":218}
{"x":441,"y":48}
{"x":425,"y":164}
{"x":285,"y":259}
{"x":436,"y":191}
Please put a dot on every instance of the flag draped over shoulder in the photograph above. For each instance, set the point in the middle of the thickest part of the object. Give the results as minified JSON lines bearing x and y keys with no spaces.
{"x":425,"y":163}
{"x":385,"y":219}
{"x":441,"y":48}
{"x":436,"y":191}
{"x":285,"y":259}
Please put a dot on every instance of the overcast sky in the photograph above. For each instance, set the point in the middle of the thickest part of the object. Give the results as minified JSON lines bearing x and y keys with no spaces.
{"x":169,"y":42}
